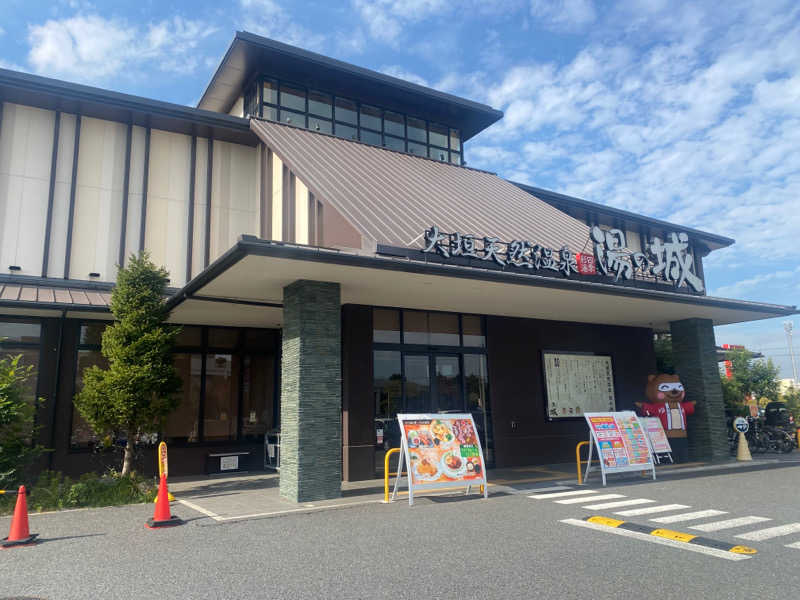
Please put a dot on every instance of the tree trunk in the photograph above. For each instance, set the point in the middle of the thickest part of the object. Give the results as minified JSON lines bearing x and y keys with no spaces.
{"x":127,"y":461}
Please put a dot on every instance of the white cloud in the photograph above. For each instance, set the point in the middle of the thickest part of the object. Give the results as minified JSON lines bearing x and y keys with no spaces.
{"x":563,"y":14}
{"x":2,"y":31}
{"x":93,"y":48}
{"x":385,"y":19}
{"x":270,"y":19}
{"x":744,"y":287}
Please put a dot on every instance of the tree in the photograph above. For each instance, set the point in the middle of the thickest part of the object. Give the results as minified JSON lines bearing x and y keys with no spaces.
{"x":758,"y":378}
{"x":792,"y":399}
{"x":139,"y":388}
{"x":663,"y":349}
{"x":17,"y":449}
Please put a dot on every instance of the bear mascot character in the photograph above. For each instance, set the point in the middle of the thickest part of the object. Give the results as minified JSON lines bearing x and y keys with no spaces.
{"x":665,"y":400}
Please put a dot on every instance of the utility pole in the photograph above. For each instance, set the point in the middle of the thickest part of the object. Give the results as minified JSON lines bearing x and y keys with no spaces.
{"x":787,"y":327}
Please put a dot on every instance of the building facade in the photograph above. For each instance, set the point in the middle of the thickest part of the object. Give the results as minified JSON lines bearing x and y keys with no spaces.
{"x":333,"y":261}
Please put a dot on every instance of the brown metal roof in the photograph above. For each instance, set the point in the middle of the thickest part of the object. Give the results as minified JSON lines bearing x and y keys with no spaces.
{"x":40,"y":295}
{"x":392,"y":197}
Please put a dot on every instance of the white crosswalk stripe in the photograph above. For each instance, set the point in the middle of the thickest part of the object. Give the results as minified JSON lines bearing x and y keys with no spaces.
{"x":562,"y":494}
{"x":619,"y":504}
{"x":691,"y":516}
{"x":579,"y":500}
{"x":793,"y":545}
{"x":770,"y":532}
{"x":729,"y":523}
{"x":554,"y":488}
{"x":650,"y":509}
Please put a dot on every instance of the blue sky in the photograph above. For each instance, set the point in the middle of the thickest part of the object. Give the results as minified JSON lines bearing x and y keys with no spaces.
{"x":685,"y":111}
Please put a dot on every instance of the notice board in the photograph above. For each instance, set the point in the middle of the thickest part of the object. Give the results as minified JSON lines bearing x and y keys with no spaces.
{"x":577,"y":384}
{"x":621,"y":443}
{"x":440,"y":450}
{"x":655,"y":432}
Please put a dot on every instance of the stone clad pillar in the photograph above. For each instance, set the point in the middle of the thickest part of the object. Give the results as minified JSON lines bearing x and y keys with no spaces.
{"x":311,"y":392}
{"x":695,"y":356}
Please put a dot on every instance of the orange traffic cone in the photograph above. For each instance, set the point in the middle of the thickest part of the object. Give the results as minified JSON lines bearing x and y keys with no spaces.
{"x":161,"y":514}
{"x":19,"y":535}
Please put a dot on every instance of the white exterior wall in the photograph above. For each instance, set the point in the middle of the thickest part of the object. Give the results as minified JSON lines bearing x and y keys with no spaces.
{"x":60,"y":218}
{"x":200,"y":203}
{"x":168,"y":202}
{"x":234,"y":195}
{"x":26,"y":146}
{"x":97,"y":220}
{"x":277,"y":198}
{"x":135,"y":192}
{"x":237,"y":110}
{"x":300,"y":212}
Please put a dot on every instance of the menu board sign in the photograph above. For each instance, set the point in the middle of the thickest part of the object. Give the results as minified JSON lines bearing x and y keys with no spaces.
{"x":655,"y":431}
{"x":577,"y":384}
{"x":620,"y":441}
{"x":440,"y":450}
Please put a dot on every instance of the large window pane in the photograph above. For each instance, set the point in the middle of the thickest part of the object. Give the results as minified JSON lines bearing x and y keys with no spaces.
{"x":191,"y":337}
{"x":257,"y":396}
{"x":82,"y":434}
{"x":416,"y":130}
{"x":294,"y":98}
{"x":455,"y":158}
{"x":437,"y":154}
{"x":386,"y":326}
{"x":387,"y":383}
{"x":321,"y":125}
{"x":346,"y":111}
{"x":394,"y":124}
{"x":443,"y":329}
{"x":28,"y":333}
{"x":223,"y":338}
{"x":394,"y":143}
{"x":371,"y":137}
{"x":271,"y":92}
{"x":293,"y":118}
{"x":476,"y":383}
{"x":30,"y":358}
{"x":417,"y":383}
{"x":260,"y":340}
{"x":455,"y":139}
{"x":182,"y":423}
{"x":418,"y":149}
{"x":345,"y":131}
{"x":472,"y":328}
{"x":271,"y":113}
{"x":437,"y":135}
{"x":320,"y":104}
{"x":415,"y":327}
{"x":92,"y":333}
{"x":222,"y":397}
{"x":371,"y":117}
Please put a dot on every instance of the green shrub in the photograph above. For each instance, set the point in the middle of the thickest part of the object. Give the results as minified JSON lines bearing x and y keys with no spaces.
{"x":16,"y":421}
{"x":54,"y":491}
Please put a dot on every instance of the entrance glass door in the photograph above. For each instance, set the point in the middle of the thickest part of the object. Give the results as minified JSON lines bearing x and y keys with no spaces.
{"x":417,"y":383}
{"x":447,"y":393}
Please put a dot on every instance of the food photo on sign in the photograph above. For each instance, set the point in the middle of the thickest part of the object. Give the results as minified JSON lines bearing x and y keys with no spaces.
{"x":442,"y":450}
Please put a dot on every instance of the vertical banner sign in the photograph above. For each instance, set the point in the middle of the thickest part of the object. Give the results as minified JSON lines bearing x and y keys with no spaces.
{"x":658,"y":439}
{"x":439,"y":451}
{"x":163,"y":468}
{"x":620,"y":441}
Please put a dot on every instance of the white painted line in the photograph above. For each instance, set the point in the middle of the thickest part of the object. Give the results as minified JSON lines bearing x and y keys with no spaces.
{"x":645,"y":537}
{"x":727,"y":524}
{"x":200,"y":509}
{"x":563,"y":494}
{"x":579,"y":500}
{"x":690,"y":516}
{"x":770,"y":532}
{"x":554,"y":488}
{"x":619,"y":504}
{"x":294,"y":510}
{"x":650,"y":509}
{"x":793,"y":545}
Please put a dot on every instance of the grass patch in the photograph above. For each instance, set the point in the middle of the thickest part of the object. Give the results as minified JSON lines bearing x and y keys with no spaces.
{"x":54,"y":491}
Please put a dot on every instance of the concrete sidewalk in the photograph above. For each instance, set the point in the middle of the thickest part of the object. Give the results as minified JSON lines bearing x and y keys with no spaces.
{"x":256,"y":495}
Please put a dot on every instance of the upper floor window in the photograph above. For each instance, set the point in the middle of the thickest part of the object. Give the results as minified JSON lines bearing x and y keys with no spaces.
{"x":320,"y":111}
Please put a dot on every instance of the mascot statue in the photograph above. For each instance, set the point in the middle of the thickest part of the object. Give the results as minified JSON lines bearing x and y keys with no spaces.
{"x":665,"y":400}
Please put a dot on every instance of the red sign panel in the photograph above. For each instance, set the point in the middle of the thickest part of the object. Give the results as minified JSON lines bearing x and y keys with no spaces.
{"x":586,"y":264}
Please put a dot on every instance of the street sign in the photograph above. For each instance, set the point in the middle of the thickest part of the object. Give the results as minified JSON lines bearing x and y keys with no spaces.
{"x":741,"y":424}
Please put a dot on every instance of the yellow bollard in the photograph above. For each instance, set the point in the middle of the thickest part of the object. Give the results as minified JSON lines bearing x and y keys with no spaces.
{"x":578,"y":459}
{"x":386,"y":473}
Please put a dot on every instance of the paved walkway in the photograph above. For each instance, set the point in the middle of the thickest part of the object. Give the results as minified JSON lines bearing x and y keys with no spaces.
{"x":256,"y":495}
